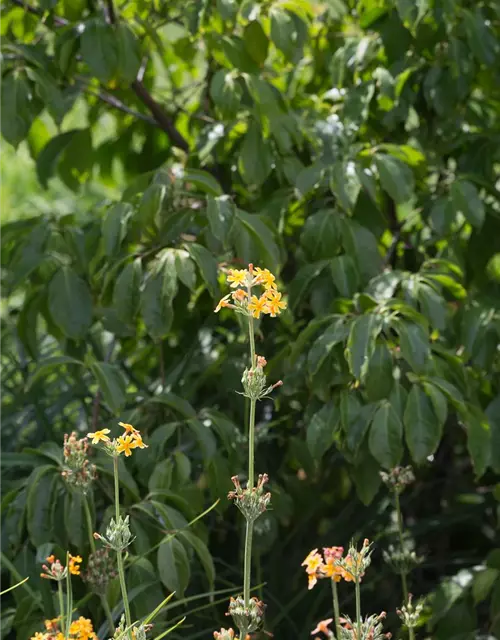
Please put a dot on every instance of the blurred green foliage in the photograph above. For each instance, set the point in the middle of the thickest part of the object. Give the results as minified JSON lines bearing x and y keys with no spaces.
{"x":351,"y":146}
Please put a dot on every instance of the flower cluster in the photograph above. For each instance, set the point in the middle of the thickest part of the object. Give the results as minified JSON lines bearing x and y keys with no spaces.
{"x":55,"y":570}
{"x":118,"y":535}
{"x":247,"y":618}
{"x":100,"y":570}
{"x":242,"y":300}
{"x":410,"y":613}
{"x":401,"y":560}
{"x":81,"y":629}
{"x":131,"y":439}
{"x":254,"y":380}
{"x":324,"y":567}
{"x":77,"y":471}
{"x":398,"y":478}
{"x":371,"y":628}
{"x":252,"y":501}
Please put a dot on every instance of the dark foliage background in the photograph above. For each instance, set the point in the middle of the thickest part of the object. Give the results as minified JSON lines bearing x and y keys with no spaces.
{"x":351,"y":147}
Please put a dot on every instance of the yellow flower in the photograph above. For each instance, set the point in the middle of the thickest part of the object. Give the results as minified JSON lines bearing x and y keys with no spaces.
{"x":99,"y":435}
{"x":237,"y":277}
{"x":274,"y":303}
{"x":265,"y":278}
{"x":51,"y":625}
{"x":139,"y":441}
{"x":74,"y":564}
{"x":223,"y":302}
{"x":39,"y":636}
{"x":257,"y":306}
{"x":125,"y":445}
{"x":128,"y":427}
{"x":313,"y":562}
{"x":239,"y":295}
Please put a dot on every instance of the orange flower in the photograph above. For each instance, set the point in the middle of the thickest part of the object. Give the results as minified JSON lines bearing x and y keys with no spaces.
{"x":50,"y":559}
{"x":261,"y":361}
{"x":223,"y":302}
{"x":313,"y":562}
{"x":51,"y":625}
{"x":257,"y":306}
{"x":239,"y":295}
{"x":128,"y":427}
{"x":265,"y":278}
{"x":125,"y":445}
{"x":322,"y":627}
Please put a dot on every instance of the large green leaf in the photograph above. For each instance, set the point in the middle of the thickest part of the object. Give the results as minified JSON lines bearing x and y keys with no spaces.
{"x":111,"y":384}
{"x":157,"y":296}
{"x":70,"y":303}
{"x":221,"y":214}
{"x":361,"y":343}
{"x":386,"y":434}
{"x":17,"y":112}
{"x":321,"y":234}
{"x":126,"y":295}
{"x":396,"y":178}
{"x":414,"y":343}
{"x":321,"y":430}
{"x":173,"y":566}
{"x":114,"y":227}
{"x":465,"y":198}
{"x":256,"y":160}
{"x":322,"y":346}
{"x":207,"y":266}
{"x":99,"y":48}
{"x":422,"y":426}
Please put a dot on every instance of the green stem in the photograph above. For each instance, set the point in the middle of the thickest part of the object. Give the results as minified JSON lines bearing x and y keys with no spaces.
{"x":358,"y":610}
{"x":119,"y":556}
{"x":400,"y":532}
{"x":104,"y":602}
{"x":251,"y":335}
{"x":247,"y":571}
{"x":251,"y":445}
{"x":336,"y":608}
{"x":412,"y":633}
{"x":61,"y":602}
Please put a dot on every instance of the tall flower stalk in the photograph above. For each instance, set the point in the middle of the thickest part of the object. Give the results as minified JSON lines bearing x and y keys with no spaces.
{"x":252,"y":500}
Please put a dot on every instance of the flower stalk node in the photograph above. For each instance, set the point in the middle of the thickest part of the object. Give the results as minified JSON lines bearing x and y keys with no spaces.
{"x":118,"y":535}
{"x":247,"y":618}
{"x":252,"y":501}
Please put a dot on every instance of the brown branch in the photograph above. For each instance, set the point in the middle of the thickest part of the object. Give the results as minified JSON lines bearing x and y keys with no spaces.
{"x":163,"y":120}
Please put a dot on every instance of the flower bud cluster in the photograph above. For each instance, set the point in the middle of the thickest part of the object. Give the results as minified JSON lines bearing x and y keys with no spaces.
{"x":252,"y":502}
{"x":55,"y":570}
{"x":410,"y":613}
{"x":401,"y":560}
{"x":224,"y":634}
{"x":247,"y":618}
{"x":355,"y":563}
{"x":100,"y":570}
{"x":118,"y":535}
{"x":371,"y":628}
{"x":398,"y":478}
{"x":77,"y":471}
{"x":254,"y":381}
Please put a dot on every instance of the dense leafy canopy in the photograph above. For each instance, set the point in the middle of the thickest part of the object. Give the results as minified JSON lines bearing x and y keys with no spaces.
{"x":353,"y":147}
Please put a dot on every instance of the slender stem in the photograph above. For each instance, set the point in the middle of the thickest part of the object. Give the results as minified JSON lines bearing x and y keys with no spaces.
{"x":102,"y":597}
{"x":119,"y":556}
{"x":251,"y":445}
{"x":247,"y":571}
{"x":251,"y":336}
{"x":358,"y":609}
{"x":336,"y":608}
{"x":61,"y":602}
{"x":400,"y":532}
{"x":411,"y":632}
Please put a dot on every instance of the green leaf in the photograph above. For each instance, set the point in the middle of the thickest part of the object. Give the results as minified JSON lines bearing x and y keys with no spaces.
{"x":396,"y":178}
{"x":465,"y":198}
{"x":302,"y":281}
{"x":30,"y":255}
{"x":203,"y":181}
{"x":17,"y":112}
{"x":493,"y":415}
{"x":321,"y":348}
{"x":41,"y":486}
{"x":379,"y":375}
{"x":99,"y":49}
{"x":77,"y":159}
{"x":50,"y":94}
{"x":126,"y":294}
{"x":111,"y":384}
{"x":207,"y":266}
{"x":70,"y":303}
{"x":173,"y":566}
{"x":262,"y":238}
{"x":185,"y":268}
{"x":48,"y":158}
{"x":74,"y":522}
{"x":203,"y":554}
{"x":321,"y":234}
{"x":432,"y":305}
{"x":114,"y":227}
{"x":256,"y":41}
{"x":47,"y":365}
{"x":128,"y":52}
{"x":345,"y":185}
{"x":221,"y":213}
{"x":479,"y":440}
{"x":422,"y":427}
{"x":480,"y":38}
{"x":483,"y":583}
{"x":321,"y":430}
{"x":361,"y":343}
{"x":226,"y":92}
{"x":386,"y":433}
{"x":283,"y":32}
{"x":256,"y":159}
{"x":361,"y":245}
{"x":157,"y":296}
{"x":151,"y":205}
{"x":345,"y":275}
{"x":366,"y":476}
{"x":414,"y":343}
